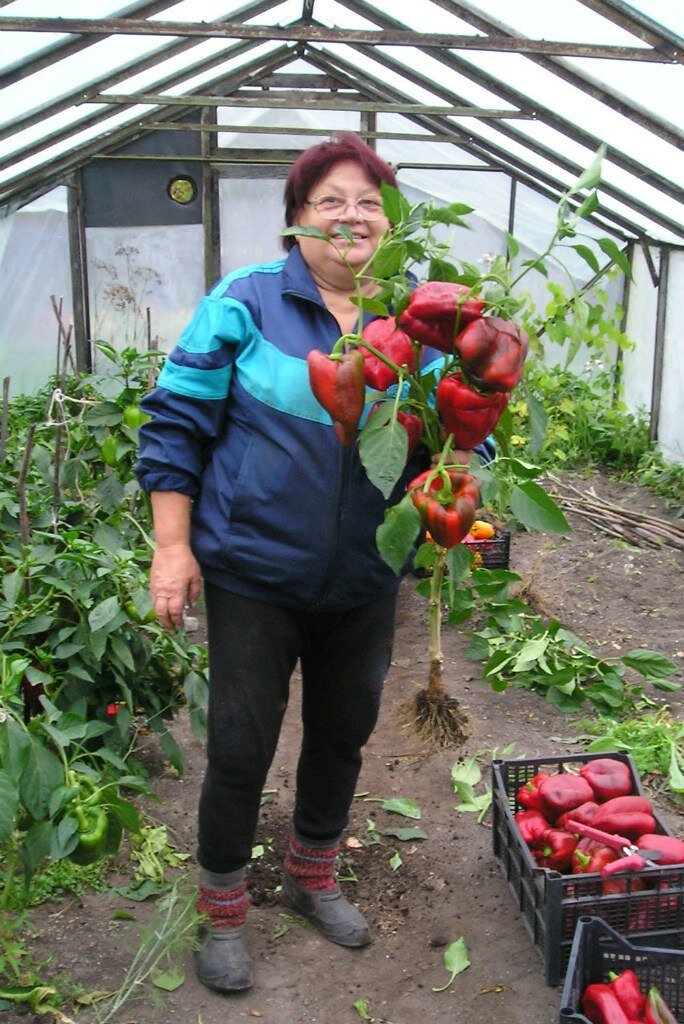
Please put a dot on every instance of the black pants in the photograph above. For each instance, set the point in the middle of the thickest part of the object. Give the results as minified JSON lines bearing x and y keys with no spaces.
{"x":253,"y":650}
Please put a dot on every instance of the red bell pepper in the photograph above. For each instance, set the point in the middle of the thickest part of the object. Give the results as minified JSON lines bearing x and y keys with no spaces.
{"x":492,"y":352}
{"x":385,"y":336}
{"x":437,"y":311}
{"x":584,"y":814}
{"x":601,"y":1005}
{"x":656,"y":1010}
{"x":528,"y":794}
{"x":554,"y":849}
{"x":590,"y":855}
{"x":337,"y":383}
{"x":608,"y":778}
{"x":627,"y":989}
{"x":447,"y":505}
{"x":629,"y":816}
{"x":563,"y":792}
{"x":671,"y":849}
{"x":467,"y":414}
{"x":531,"y":824}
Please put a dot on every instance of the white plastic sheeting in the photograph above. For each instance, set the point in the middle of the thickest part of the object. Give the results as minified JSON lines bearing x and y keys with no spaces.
{"x":34,"y":267}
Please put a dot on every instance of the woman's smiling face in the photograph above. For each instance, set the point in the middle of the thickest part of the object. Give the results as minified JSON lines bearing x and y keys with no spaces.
{"x":347,"y":181}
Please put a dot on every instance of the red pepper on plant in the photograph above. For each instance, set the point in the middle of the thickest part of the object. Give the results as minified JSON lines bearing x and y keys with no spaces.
{"x":608,"y":778}
{"x":563,"y":792}
{"x":528,"y":794}
{"x":447,"y":501}
{"x":337,"y":382}
{"x":531,"y":824}
{"x":492,"y":352}
{"x":554,"y":849}
{"x":437,"y":311}
{"x":385,"y":336}
{"x":467,"y":414}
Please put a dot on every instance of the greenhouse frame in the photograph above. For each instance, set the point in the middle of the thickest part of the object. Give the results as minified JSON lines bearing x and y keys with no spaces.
{"x":144,"y":148}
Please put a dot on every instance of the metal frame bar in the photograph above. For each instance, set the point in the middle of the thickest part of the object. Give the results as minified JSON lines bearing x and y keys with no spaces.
{"x":659,"y":350}
{"x":464,"y":10}
{"x":532,"y":176}
{"x":79,"y":272}
{"x":541,"y":113}
{"x":322,"y":34}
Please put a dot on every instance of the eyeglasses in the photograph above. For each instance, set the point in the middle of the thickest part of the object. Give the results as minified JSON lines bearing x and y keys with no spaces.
{"x":333,"y":206}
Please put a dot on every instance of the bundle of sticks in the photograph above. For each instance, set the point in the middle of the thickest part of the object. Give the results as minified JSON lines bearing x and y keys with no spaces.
{"x":634,"y":527}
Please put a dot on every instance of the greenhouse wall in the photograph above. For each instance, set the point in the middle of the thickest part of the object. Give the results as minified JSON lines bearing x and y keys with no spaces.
{"x":34,"y":267}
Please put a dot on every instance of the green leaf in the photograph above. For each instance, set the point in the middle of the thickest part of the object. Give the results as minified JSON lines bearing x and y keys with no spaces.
{"x":615,"y":253}
{"x":104,"y":414}
{"x":458,"y":560}
{"x":12,"y":585}
{"x":588,"y":205}
{"x":402,"y":805}
{"x":168,"y":980}
{"x":538,"y":423}
{"x":361,"y":1007}
{"x":140,"y":891}
{"x":532,"y":507}
{"x":466,"y":771}
{"x":42,"y":772}
{"x":389,"y":259}
{"x":649,"y":663}
{"x":591,"y":176}
{"x":675,"y":774}
{"x":9,"y":805}
{"x":396,"y":206}
{"x":310,"y":232}
{"x":110,"y":494}
{"x":103,"y":613}
{"x":395,"y":862}
{"x":396,"y":534}
{"x":589,"y":256}
{"x":404,"y":835}
{"x":512,"y":246}
{"x":383,"y":448}
{"x":370,"y":305}
{"x":456,"y":960}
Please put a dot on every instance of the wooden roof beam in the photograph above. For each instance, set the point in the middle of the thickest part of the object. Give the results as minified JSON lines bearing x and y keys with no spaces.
{"x":323,"y":34}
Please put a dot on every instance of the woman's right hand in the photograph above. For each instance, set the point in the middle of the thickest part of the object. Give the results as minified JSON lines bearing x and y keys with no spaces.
{"x":175,"y":582}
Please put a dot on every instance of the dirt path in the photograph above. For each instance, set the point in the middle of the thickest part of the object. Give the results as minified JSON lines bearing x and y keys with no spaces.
{"x":447,"y":885}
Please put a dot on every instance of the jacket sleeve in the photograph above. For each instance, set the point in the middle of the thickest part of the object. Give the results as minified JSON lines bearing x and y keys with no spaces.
{"x":188,"y":406}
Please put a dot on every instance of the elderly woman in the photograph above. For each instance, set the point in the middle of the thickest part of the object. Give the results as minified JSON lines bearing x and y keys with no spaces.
{"x":252,"y":493}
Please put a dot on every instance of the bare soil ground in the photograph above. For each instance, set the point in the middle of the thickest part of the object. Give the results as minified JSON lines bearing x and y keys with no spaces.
{"x":615,"y":598}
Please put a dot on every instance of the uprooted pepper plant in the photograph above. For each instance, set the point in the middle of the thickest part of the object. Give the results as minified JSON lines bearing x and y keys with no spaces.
{"x":449,"y":404}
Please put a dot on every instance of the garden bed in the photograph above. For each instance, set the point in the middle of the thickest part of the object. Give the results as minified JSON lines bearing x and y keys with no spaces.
{"x":615,"y":598}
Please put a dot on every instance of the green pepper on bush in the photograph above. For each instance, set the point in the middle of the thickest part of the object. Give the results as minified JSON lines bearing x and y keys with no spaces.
{"x":93,"y":826}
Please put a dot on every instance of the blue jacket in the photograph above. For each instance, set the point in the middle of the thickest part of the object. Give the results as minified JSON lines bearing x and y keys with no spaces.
{"x":282,"y":512}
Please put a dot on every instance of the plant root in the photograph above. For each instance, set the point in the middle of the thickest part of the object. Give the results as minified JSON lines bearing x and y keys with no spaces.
{"x":440,"y":722}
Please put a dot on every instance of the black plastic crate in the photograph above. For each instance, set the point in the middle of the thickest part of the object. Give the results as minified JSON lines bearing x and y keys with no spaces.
{"x":598,"y":949}
{"x":551,"y":903}
{"x":493,"y":553}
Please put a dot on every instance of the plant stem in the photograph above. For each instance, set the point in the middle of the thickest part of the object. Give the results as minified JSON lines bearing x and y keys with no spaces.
{"x":435,"y":688}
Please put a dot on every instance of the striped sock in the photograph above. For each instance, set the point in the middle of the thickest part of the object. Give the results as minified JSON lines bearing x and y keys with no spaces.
{"x":311,"y":867}
{"x":226,"y":908}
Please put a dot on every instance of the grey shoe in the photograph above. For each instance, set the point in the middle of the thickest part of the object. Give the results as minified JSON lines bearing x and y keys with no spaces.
{"x":332,"y":913}
{"x":222,"y":962}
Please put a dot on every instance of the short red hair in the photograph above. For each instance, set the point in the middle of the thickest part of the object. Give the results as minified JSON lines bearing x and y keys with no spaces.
{"x":315,"y":162}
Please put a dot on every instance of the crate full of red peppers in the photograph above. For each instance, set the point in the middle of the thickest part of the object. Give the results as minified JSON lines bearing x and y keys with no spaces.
{"x":559,"y":872}
{"x":611,"y":980}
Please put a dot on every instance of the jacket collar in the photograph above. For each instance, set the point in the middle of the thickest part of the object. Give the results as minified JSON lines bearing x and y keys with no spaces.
{"x":297,"y":279}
